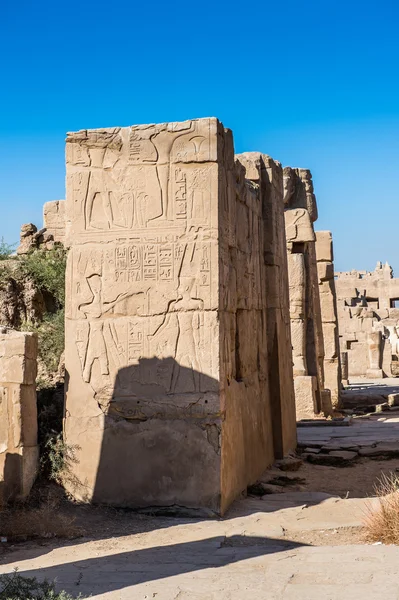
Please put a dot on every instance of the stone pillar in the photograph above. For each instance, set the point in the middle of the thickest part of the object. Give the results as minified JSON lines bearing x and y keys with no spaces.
{"x":374,"y":343}
{"x":166,"y":316}
{"x":263,"y":171}
{"x":329,"y":317}
{"x":344,"y":368}
{"x":19,"y":452}
{"x":306,"y":326}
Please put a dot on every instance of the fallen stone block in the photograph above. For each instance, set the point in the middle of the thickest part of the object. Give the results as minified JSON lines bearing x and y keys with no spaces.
{"x":288,"y":464}
{"x":393,"y":400}
{"x":384,"y":450}
{"x":336,"y":458}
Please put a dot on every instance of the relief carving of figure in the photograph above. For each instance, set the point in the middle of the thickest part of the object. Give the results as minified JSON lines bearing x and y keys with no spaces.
{"x":94,"y":311}
{"x":183,"y":317}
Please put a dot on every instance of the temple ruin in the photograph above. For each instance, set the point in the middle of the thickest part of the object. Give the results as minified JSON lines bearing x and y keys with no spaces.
{"x":177,"y":341}
{"x":201,"y":313}
{"x":19,"y":452}
{"x":311,"y":396}
{"x":368,"y":321}
{"x":329,"y":315}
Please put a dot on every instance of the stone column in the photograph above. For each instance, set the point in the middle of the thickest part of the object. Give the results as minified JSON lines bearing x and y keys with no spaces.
{"x":166,"y":317}
{"x":344,"y":368}
{"x":267,"y":174}
{"x":19,"y":452}
{"x":306,"y":327}
{"x":374,"y":343}
{"x":329,"y":317}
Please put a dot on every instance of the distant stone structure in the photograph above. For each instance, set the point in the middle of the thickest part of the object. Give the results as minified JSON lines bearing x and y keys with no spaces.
{"x":52,"y":232}
{"x":329,"y":315}
{"x":54,"y":220}
{"x":178,"y":352}
{"x":369,"y":321}
{"x":19,"y":452}
{"x":311,"y":396}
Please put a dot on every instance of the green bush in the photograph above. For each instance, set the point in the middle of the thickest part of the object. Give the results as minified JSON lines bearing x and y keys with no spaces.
{"x":17,"y":587}
{"x":47,"y":269}
{"x":57,"y":460}
{"x":51,"y":338}
{"x":6,"y":249}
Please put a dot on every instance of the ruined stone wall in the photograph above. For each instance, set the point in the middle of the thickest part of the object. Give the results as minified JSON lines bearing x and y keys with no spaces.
{"x":166,"y":317}
{"x":329,"y":317}
{"x":369,"y":321}
{"x":54,"y":219}
{"x":19,"y":453}
{"x":267,"y":174}
{"x":311,"y":396}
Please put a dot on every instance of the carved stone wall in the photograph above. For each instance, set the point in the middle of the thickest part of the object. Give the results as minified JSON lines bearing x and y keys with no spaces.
{"x":267,"y":175}
{"x":329,"y":317}
{"x":368,"y":315}
{"x":166,"y":353}
{"x":19,"y":451}
{"x":311,"y":397}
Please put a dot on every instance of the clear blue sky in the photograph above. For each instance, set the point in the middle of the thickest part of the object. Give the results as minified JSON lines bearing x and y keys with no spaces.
{"x":313,"y":83}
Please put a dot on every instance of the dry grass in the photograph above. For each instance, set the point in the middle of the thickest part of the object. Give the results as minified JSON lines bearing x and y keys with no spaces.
{"x":44,"y":519}
{"x":382,"y":525}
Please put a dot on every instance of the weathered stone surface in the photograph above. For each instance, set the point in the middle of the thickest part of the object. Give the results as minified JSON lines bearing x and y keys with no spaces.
{"x":393,"y":399}
{"x":385,"y":450}
{"x":267,"y":173}
{"x":289,"y":463}
{"x":307,"y":305}
{"x":344,"y":454}
{"x":336,"y":458}
{"x":305,"y":396}
{"x":329,"y":315}
{"x":19,"y":451}
{"x":166,"y":316}
{"x":54,"y":220}
{"x":368,"y":321}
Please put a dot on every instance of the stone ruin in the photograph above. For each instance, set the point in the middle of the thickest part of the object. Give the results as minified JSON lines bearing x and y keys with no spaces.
{"x":201,"y":317}
{"x":310,"y":278}
{"x":52,"y":232}
{"x":329,"y":316}
{"x":19,"y":452}
{"x":167,"y":349}
{"x":369,"y":321}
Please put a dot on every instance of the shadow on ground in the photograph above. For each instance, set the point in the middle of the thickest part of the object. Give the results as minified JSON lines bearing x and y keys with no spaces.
{"x":99,"y":575}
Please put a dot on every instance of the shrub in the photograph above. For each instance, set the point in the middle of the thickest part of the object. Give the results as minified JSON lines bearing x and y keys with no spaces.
{"x":382,"y":525}
{"x":51,"y":339}
{"x":47,"y":269}
{"x":17,"y":587}
{"x":6,"y":249}
{"x":57,"y":460}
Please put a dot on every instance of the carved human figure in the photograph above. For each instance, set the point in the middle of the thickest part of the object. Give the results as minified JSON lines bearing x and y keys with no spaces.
{"x":93,"y":311}
{"x":183,"y":317}
{"x":163,"y":142}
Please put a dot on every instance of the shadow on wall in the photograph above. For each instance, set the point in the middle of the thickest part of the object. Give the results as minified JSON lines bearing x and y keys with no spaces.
{"x":10,"y":486}
{"x":160,"y":445}
{"x":118,"y":571}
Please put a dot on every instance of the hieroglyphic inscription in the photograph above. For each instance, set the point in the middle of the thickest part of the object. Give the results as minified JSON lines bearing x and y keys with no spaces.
{"x":145,"y":262}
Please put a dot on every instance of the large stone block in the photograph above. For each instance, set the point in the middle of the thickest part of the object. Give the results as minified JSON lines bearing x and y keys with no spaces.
{"x":19,"y":452}
{"x":324,"y":246}
{"x":166,"y":324}
{"x":305,"y":397}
